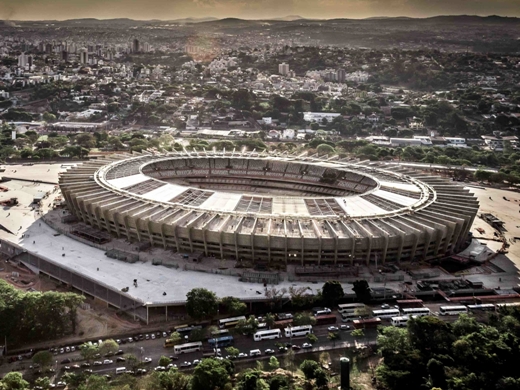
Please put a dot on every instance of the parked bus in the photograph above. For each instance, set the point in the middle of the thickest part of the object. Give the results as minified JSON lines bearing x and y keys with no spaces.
{"x":386,"y":313}
{"x":399,"y":321}
{"x":367,"y":323}
{"x":168,"y":343}
{"x":349,"y":317}
{"x":221,"y":342}
{"x":327,"y":319}
{"x":350,"y":307}
{"x":482,"y":307}
{"x":230,"y":322}
{"x":452,"y":310}
{"x":409,"y":303}
{"x":188,"y":347}
{"x":416,"y":311}
{"x":267,"y":334}
{"x":297,"y":331}
{"x":510,"y":304}
{"x":220,"y":333}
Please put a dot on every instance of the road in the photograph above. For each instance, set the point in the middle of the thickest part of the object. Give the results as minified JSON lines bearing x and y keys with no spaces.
{"x":154,"y":349}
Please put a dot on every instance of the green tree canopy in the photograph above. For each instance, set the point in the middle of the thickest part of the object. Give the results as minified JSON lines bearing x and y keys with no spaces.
{"x":201,"y":304}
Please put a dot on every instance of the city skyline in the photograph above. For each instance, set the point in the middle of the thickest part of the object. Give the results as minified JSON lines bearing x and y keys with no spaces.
{"x":264,"y":9}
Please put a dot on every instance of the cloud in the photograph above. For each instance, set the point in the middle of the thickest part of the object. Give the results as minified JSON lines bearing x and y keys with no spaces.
{"x":172,"y":9}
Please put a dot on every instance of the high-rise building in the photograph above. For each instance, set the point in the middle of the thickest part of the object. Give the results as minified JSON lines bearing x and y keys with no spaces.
{"x":283,"y":69}
{"x":135,"y":46}
{"x":22,"y":60}
{"x":341,"y":75}
{"x":146,"y":47}
{"x":65,"y":55}
{"x":83,"y":56}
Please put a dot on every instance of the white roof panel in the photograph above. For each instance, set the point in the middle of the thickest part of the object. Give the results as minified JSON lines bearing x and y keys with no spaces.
{"x":128,"y":181}
{"x":164,"y":193}
{"x":290,"y":206}
{"x":356,"y":206}
{"x":221,"y":201}
{"x":396,"y":198}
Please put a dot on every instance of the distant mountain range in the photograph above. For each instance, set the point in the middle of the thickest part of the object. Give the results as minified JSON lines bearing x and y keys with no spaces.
{"x":288,"y":18}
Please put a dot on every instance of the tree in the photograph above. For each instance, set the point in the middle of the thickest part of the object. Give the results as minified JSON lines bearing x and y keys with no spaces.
{"x":304,"y":318}
{"x":248,"y":326}
{"x":392,"y":340}
{"x":175,"y":338}
{"x":13,"y":381}
{"x":210,"y":374}
{"x":482,"y":175}
{"x":197,"y":335}
{"x":164,"y":361}
{"x":108,"y":346}
{"x":333,"y":336}
{"x":88,"y":350}
{"x":269,"y":319}
{"x":322,"y":379}
{"x":43,"y":382}
{"x":273,"y":364}
{"x":437,"y":373}
{"x":362,"y":290}
{"x":309,"y":368}
{"x":331,"y":293}
{"x":357,"y":333}
{"x":201,"y":304}
{"x":234,"y":306}
{"x":95,"y":382}
{"x":311,"y":338}
{"x":324,"y":149}
{"x":48,"y":117}
{"x":43,"y":358}
{"x":232,"y":351}
{"x":86,"y":140}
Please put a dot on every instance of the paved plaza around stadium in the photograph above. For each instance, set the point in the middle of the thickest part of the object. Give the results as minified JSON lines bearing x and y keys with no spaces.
{"x":23,"y":226}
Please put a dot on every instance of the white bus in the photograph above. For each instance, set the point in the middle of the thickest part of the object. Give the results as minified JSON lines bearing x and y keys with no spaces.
{"x":386,"y":313}
{"x":350,"y":307}
{"x":482,"y":307}
{"x":416,"y":311}
{"x":297,"y":331}
{"x":510,"y":304}
{"x":399,"y":321}
{"x":452,"y":310}
{"x":187,"y":348}
{"x":229,"y":322}
{"x":349,"y":317}
{"x":267,"y":334}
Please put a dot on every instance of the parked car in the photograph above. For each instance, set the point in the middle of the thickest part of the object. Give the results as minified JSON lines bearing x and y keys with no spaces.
{"x":306,"y":345}
{"x":242,"y":355}
{"x":147,"y":360}
{"x":385,"y":306}
{"x":196,"y":362}
{"x":344,"y":327}
{"x":65,"y":361}
{"x":160,"y":368}
{"x":296,"y":347}
{"x":332,"y":328}
{"x":120,"y":359}
{"x":98,"y":363}
{"x":185,"y":364}
{"x":269,"y":351}
{"x":120,"y":352}
{"x":108,"y":361}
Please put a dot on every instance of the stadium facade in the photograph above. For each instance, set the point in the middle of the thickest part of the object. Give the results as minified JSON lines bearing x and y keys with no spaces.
{"x":273,"y":209}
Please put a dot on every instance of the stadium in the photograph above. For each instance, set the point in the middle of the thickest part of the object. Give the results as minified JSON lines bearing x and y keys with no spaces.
{"x":272,"y":209}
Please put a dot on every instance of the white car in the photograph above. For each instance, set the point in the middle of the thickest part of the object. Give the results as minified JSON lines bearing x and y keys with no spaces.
{"x":108,"y":361}
{"x":332,"y":328}
{"x":98,"y":363}
{"x":72,"y":349}
{"x":196,"y":362}
{"x":147,"y":360}
{"x":306,"y":345}
{"x":242,"y":355}
{"x":62,"y":350}
{"x":171,"y":365}
{"x":344,"y":327}
{"x":67,"y":349}
{"x":153,"y":336}
{"x":160,"y":368}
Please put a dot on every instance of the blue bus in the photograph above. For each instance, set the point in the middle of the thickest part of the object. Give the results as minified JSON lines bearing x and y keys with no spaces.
{"x":218,"y":342}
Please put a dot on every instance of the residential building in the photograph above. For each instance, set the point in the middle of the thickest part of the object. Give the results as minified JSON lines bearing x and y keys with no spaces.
{"x":283,"y":69}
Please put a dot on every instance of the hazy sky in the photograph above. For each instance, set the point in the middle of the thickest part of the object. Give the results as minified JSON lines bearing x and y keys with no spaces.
{"x":251,"y":9}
